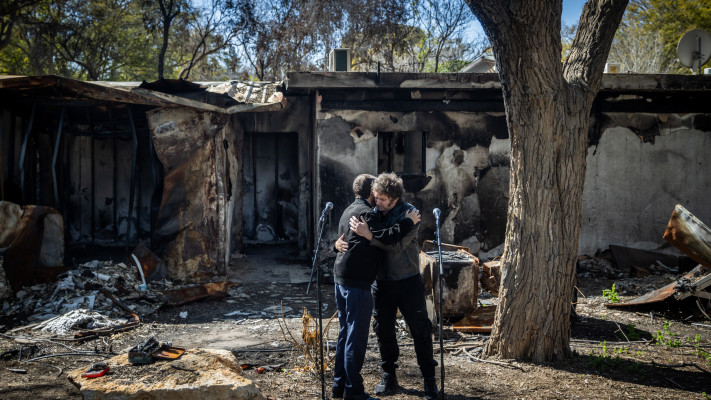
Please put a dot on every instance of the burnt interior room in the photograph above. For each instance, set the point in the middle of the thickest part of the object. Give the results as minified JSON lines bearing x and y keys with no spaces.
{"x":91,"y":160}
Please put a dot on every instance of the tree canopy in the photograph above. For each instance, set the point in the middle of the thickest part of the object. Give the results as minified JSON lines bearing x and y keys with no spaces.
{"x":229,"y":39}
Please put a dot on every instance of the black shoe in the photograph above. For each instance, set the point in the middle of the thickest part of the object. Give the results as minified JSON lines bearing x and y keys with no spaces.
{"x":362,"y":396}
{"x":336,"y":392}
{"x":431,"y":391}
{"x":388,"y":384}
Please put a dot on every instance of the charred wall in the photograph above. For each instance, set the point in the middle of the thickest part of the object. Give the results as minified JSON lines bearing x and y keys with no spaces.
{"x":192,"y":229}
{"x":90,"y":150}
{"x":465,"y":157}
{"x":642,"y":166}
{"x":647,"y":152}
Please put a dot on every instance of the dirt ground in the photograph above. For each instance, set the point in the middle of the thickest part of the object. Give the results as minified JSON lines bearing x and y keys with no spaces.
{"x":616,"y":354}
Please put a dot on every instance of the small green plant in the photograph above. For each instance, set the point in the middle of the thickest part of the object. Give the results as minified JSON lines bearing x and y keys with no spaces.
{"x":634,"y":368}
{"x":672,"y":341}
{"x":698,"y":351}
{"x":604,"y":360}
{"x":611,"y":294}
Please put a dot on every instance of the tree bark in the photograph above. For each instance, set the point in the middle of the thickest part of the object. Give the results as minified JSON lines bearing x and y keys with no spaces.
{"x":547,"y":110}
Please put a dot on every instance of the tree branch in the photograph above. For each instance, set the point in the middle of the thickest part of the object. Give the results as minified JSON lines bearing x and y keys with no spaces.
{"x":588,"y":53}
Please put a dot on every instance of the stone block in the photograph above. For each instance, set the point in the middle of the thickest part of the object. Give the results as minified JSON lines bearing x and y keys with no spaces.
{"x":204,"y":374}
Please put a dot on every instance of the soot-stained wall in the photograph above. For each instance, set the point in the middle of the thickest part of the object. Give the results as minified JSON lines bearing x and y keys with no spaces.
{"x":643,"y":165}
{"x":466,"y":168}
{"x":648,"y":143}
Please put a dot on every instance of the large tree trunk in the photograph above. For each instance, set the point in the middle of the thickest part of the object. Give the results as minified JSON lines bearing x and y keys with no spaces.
{"x":547,"y":109}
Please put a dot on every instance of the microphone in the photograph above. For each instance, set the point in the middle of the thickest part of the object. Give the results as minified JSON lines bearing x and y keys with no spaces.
{"x":326,"y":209}
{"x":436,"y":213}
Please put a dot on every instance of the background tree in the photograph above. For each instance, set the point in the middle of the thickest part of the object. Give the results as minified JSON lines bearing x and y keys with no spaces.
{"x":547,"y":110}
{"x":445,"y":23}
{"x":671,"y":19}
{"x":376,"y":31}
{"x":94,"y":40}
{"x":211,"y":30}
{"x":638,"y":47}
{"x":11,"y":14}
{"x":159,"y":15}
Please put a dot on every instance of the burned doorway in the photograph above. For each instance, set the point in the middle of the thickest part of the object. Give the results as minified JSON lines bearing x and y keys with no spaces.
{"x":270,"y":187}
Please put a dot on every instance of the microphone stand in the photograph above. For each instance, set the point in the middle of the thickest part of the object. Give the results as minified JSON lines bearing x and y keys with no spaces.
{"x":314,"y":268}
{"x":441,"y":277}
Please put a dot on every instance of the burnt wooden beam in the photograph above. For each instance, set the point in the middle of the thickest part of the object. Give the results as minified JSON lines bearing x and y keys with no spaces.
{"x":413,"y":105}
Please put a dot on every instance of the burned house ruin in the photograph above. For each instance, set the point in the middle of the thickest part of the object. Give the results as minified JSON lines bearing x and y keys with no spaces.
{"x":198,"y":171}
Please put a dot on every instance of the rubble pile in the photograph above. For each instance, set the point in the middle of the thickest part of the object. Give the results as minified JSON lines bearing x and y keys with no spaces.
{"x":87,"y":288}
{"x":596,"y":266}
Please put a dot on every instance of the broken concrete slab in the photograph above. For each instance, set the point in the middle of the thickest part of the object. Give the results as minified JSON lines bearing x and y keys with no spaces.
{"x":198,"y":374}
{"x":643,"y":262}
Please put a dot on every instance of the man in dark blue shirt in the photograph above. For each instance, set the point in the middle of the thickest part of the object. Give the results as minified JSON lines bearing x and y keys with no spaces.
{"x":354,"y":272}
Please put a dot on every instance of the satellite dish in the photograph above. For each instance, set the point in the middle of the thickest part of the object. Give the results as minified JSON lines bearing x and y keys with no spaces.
{"x":694,"y":49}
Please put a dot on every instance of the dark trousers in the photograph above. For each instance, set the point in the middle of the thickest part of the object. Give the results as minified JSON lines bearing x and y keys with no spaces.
{"x":355,"y":307}
{"x":409,"y":296}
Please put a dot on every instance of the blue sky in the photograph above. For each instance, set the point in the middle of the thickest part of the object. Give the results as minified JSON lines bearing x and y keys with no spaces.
{"x":571,"y":11}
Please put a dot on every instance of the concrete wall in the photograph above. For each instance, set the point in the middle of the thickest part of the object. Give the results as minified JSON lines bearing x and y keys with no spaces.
{"x":642,"y":166}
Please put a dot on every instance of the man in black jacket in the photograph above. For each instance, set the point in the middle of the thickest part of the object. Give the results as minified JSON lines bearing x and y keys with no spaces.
{"x":354,"y":271}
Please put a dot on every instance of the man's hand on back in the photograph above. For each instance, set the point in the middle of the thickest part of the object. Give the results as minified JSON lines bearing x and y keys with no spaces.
{"x":414,"y":215}
{"x":360,"y":227}
{"x":341,"y":244}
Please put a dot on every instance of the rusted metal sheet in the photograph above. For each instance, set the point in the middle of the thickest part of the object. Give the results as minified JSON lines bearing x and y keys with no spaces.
{"x":663,"y":293}
{"x":186,"y":295}
{"x":190,"y":233}
{"x":481,"y":321}
{"x":690,"y":235}
{"x":460,"y":284}
{"x":490,"y":279}
{"x":34,"y":238}
{"x":159,"y":94}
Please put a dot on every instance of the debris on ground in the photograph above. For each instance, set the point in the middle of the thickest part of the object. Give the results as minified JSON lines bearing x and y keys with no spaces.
{"x":690,"y":235}
{"x":77,"y":319}
{"x":100,"y":294}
